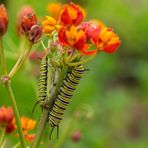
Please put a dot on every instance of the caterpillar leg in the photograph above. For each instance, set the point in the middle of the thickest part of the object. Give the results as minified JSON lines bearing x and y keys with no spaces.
{"x":36,"y":104}
{"x":51,"y":132}
{"x":86,"y":69}
{"x":57,"y":132}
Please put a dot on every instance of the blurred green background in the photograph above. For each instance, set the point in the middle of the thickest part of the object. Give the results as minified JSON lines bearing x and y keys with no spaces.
{"x":110,"y":107}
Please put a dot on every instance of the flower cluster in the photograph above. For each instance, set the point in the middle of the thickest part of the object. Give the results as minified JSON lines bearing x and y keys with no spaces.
{"x":7,"y":119}
{"x":80,"y":36}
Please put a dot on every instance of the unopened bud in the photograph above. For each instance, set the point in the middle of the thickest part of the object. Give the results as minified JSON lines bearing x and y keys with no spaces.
{"x":25,"y":11}
{"x":35,"y":33}
{"x":28,"y":21}
{"x":76,"y":136}
{"x":3,"y":20}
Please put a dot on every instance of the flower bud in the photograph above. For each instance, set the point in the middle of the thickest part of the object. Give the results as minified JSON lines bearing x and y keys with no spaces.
{"x":76,"y":136}
{"x":28,"y":21}
{"x":3,"y":20}
{"x":35,"y":33}
{"x":25,"y":11}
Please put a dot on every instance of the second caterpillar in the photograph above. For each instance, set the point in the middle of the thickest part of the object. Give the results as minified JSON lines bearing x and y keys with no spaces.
{"x":65,"y":93}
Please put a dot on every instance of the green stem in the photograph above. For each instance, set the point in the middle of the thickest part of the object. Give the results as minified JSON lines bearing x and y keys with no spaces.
{"x":3,"y":144}
{"x":2,"y":136}
{"x":16,"y":114}
{"x":44,"y":117}
{"x":2,"y":57}
{"x":40,"y":129}
{"x":81,"y":62}
{"x":20,"y":62}
{"x":17,"y":145}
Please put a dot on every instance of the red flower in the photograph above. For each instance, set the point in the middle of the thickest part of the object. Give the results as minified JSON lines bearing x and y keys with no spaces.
{"x":3,"y":20}
{"x":6,"y":115}
{"x":25,"y":11}
{"x":30,"y":137}
{"x":75,"y":38}
{"x":28,"y":21}
{"x":107,"y":40}
{"x":10,"y":127}
{"x":91,"y":30}
{"x":71,"y":15}
{"x":7,"y":119}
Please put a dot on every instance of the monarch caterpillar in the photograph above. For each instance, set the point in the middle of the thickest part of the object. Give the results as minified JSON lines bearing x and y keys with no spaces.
{"x":65,"y":93}
{"x":47,"y":80}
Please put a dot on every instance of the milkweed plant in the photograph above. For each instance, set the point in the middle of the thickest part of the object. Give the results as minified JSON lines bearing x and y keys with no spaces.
{"x":68,"y":42}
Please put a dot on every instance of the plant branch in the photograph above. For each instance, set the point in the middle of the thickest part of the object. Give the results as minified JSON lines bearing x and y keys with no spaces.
{"x":82,"y":61}
{"x":20,"y":61}
{"x":2,"y":57}
{"x":16,"y":114}
{"x":2,"y":136}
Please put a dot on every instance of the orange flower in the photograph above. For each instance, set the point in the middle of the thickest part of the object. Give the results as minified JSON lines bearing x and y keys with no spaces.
{"x":54,"y":9}
{"x":75,"y":38}
{"x":7,"y":119}
{"x":71,"y":15}
{"x":30,"y":137}
{"x":49,"y":25}
{"x":3,"y":20}
{"x":107,"y":40}
{"x":28,"y":124}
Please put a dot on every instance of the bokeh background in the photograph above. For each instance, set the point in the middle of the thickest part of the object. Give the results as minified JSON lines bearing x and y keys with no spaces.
{"x":110,"y":106}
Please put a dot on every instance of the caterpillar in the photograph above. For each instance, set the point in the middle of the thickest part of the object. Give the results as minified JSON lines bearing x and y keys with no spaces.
{"x":47,"y":80}
{"x":64,"y":96}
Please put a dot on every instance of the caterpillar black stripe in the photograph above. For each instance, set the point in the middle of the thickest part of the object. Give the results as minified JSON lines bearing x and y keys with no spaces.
{"x":65,"y":93}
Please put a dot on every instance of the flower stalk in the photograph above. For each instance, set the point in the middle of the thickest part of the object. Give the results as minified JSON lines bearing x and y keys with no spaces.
{"x":20,"y":60}
{"x":16,"y":114}
{"x":2,"y":57}
{"x":2,"y":136}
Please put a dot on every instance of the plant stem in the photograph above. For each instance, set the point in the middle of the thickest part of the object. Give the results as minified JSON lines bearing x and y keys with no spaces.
{"x":44,"y":117}
{"x":82,"y":62}
{"x":40,"y":129}
{"x":16,"y":114}
{"x":2,"y":57}
{"x":2,"y":136}
{"x":17,"y":145}
{"x":20,"y":61}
